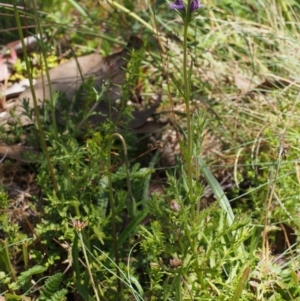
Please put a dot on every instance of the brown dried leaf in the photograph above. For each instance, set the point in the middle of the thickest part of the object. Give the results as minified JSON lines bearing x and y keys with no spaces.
{"x":18,"y":152}
{"x":68,"y":77}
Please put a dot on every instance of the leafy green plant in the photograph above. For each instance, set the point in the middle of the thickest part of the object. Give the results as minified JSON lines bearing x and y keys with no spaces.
{"x":51,"y":290}
{"x":222,"y":64}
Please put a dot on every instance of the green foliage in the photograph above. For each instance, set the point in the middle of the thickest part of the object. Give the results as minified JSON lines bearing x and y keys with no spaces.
{"x":26,"y":275}
{"x":172,"y":246}
{"x":51,"y":289}
{"x":22,"y":283}
{"x":176,"y":244}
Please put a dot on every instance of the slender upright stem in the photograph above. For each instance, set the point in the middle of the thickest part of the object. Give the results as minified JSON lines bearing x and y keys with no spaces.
{"x":113,"y":219}
{"x":188,"y":113}
{"x":88,"y":266}
{"x":41,"y":134}
{"x":131,"y":205}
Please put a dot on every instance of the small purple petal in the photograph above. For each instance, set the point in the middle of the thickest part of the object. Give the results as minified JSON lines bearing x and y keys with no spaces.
{"x":178,"y":4}
{"x":195,"y":4}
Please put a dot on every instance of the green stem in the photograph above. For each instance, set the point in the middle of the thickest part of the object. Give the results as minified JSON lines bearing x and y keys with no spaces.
{"x":130,"y":201}
{"x":131,"y":205}
{"x":88,"y":266}
{"x":41,"y":134}
{"x":44,"y":54}
{"x":113,"y":220}
{"x":6,"y":260}
{"x":188,"y":115}
{"x":189,"y":154}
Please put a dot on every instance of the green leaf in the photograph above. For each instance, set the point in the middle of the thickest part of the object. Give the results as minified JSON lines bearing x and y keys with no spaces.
{"x":26,"y":275}
{"x":131,"y":227}
{"x":241,"y":285}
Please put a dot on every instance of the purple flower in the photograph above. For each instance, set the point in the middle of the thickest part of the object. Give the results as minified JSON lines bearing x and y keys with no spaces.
{"x":195,"y":4}
{"x":178,"y":4}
